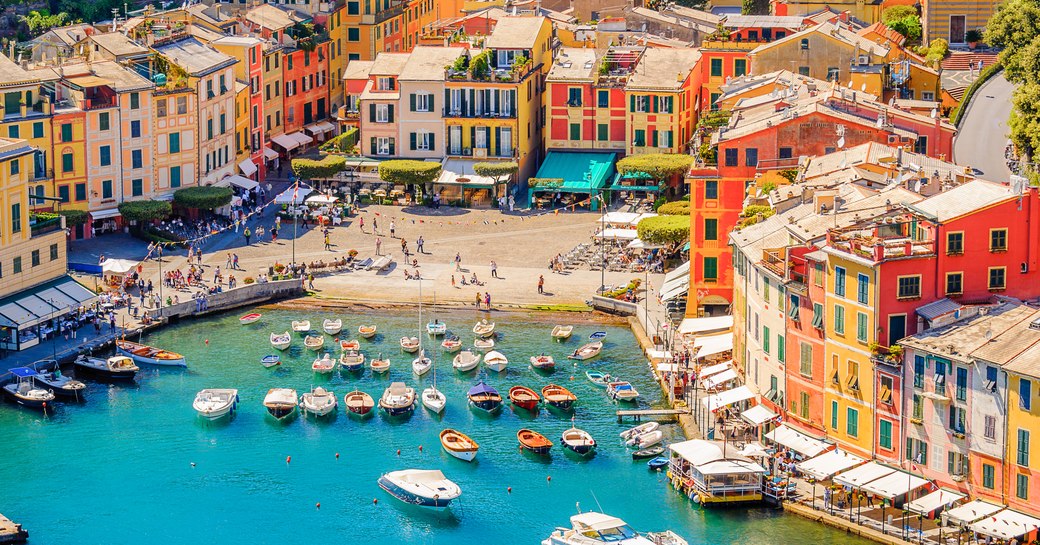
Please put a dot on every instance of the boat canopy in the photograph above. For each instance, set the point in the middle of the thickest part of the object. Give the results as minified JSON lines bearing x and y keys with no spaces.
{"x":596,"y":521}
{"x":935,"y":500}
{"x":1006,"y":524}
{"x":398,"y":389}
{"x":23,"y":372}
{"x":797,"y":441}
{"x":481,"y":388}
{"x":830,"y":463}
{"x":971,"y":511}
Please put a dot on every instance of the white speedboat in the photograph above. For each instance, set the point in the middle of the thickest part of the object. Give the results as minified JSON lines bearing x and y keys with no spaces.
{"x":590,"y":350}
{"x":436,"y":328}
{"x":459,"y":445}
{"x":142,"y":353}
{"x":484,"y":344}
{"x":324,"y":364}
{"x":410,"y":344}
{"x":422,"y":364}
{"x":114,"y":368}
{"x":25,"y":392}
{"x":645,"y":440}
{"x":495,"y":361}
{"x":332,"y":327}
{"x":397,"y":399}
{"x":592,"y":528}
{"x":318,"y":402}
{"x":380,"y":364}
{"x":484,"y":328}
{"x":301,"y":326}
{"x":213,"y":403}
{"x":281,"y":341}
{"x":622,"y":391}
{"x":280,"y":402}
{"x":434,"y":399}
{"x":544,"y":362}
{"x":465,"y":361}
{"x":639,"y":430}
{"x":422,"y":487}
{"x":62,"y":385}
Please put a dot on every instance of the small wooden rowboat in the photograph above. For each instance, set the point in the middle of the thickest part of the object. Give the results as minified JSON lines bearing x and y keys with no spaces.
{"x":314,"y":342}
{"x":270,"y":360}
{"x":452,"y":344}
{"x":543,"y":362}
{"x":533,"y":441}
{"x":358,"y":403}
{"x":459,"y":445}
{"x":562,"y":332}
{"x":484,"y":328}
{"x":590,"y":350}
{"x":142,"y":353}
{"x":301,"y":326}
{"x":281,"y":341}
{"x":349,"y":345}
{"x":579,"y":441}
{"x":366,"y":331}
{"x":524,"y":397}
{"x":558,"y":396}
{"x":332,"y":327}
{"x":250,"y":318}
{"x":410,"y":344}
{"x":380,"y":364}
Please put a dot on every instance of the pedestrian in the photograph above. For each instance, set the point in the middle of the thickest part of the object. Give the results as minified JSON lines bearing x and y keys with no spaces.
{"x":361,"y":223}
{"x":260,"y":233}
{"x":379,"y":246}
{"x":404,"y":246}
{"x":494,"y":269}
{"x":74,"y":328}
{"x":227,"y":264}
{"x":419,"y":244}
{"x":328,"y":243}
{"x":247,"y":233}
{"x":274,"y":233}
{"x":458,"y":262}
{"x":375,"y":225}
{"x":237,"y":222}
{"x":478,"y":300}
{"x":310,"y":281}
{"x":487,"y":300}
{"x":453,"y":281}
{"x":512,"y":202}
{"x":541,"y":283}
{"x":393,"y":228}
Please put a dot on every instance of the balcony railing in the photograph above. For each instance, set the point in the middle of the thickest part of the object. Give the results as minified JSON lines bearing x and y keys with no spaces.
{"x":479,"y":153}
{"x":40,"y":175}
{"x":477,"y":114}
{"x":43,"y":227}
{"x":878,"y":248}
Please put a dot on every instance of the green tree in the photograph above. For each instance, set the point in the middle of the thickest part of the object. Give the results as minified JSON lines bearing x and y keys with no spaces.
{"x":659,"y":166}
{"x":1024,"y":67}
{"x":409,"y":172}
{"x":1025,"y":118}
{"x":675,"y":208}
{"x":896,"y":13}
{"x":321,"y":169}
{"x":754,"y":7}
{"x":40,"y":21}
{"x":1013,"y":27}
{"x":74,"y":217}
{"x":204,"y":197}
{"x":909,"y":26}
{"x":495,"y":169}
{"x":145,"y":210}
{"x":664,"y":229}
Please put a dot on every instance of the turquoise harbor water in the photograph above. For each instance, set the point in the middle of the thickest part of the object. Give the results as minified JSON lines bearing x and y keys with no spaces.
{"x":118,"y":468}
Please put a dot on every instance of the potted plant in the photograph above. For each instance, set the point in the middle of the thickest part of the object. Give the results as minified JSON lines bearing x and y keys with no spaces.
{"x":973,"y":37}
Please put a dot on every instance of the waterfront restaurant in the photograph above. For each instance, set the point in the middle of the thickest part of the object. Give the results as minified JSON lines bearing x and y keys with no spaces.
{"x":571,"y":178}
{"x":714,"y":472}
{"x":31,"y":315}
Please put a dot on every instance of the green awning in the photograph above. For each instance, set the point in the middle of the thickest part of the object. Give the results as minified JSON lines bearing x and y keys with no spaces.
{"x":580,"y":172}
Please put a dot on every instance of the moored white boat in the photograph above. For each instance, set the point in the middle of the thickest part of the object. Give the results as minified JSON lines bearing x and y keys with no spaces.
{"x":410,"y":344}
{"x":301,"y":326}
{"x":318,"y":402}
{"x":280,"y":402}
{"x":380,"y":364}
{"x":578,"y":441}
{"x":465,"y":361}
{"x":484,"y":328}
{"x":397,"y":399}
{"x":599,"y":379}
{"x":434,"y":399}
{"x":562,"y":332}
{"x":324,"y":364}
{"x":587,"y":351}
{"x":25,"y":392}
{"x":421,"y":487}
{"x":60,"y":384}
{"x":484,"y":344}
{"x":544,"y":362}
{"x":314,"y":342}
{"x":591,"y":528}
{"x":281,"y":341}
{"x":348,"y":345}
{"x":213,"y":403}
{"x":495,"y":361}
{"x":331,"y":326}
{"x":352,"y":360}
{"x":270,"y":360}
{"x":639,"y":430}
{"x":647,"y":439}
{"x":459,"y":445}
{"x":622,"y":391}
{"x":452,"y":344}
{"x":250,"y":318}
{"x":421,"y":365}
{"x":436,"y":328}
{"x":142,"y":353}
{"x":366,"y":331}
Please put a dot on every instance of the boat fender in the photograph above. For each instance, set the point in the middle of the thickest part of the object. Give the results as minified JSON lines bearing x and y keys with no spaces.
{"x":509,"y":489}
{"x":337,"y":456}
{"x":375,"y":501}
{"x":420,"y":448}
{"x":288,"y":459}
{"x":572,"y":377}
{"x":548,"y":479}
{"x":398,"y":452}
{"x":193,"y":464}
{"x":207,"y":342}
{"x":317,"y":505}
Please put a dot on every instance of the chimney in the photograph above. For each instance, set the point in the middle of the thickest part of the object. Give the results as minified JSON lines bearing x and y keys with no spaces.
{"x":823,"y":200}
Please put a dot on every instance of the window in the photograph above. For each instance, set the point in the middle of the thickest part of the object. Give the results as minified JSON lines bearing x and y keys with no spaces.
{"x":136,"y":160}
{"x":182,"y":105}
{"x":209,"y":129}
{"x":384,"y":146}
{"x":862,"y":288}
{"x":106,"y":189}
{"x":640,"y":103}
{"x":852,"y":380}
{"x":137,"y":187}
{"x":422,"y":141}
{"x":105,"y":156}
{"x":765,"y":289}
{"x":603,"y":99}
{"x":81,"y":192}
{"x":957,"y":417}
{"x":385,"y":84}
{"x":67,"y":162}
{"x":805,"y":43}
{"x":834,"y":414}
{"x":817,"y":318}
{"x":962,"y":384}
{"x":38,"y":130}
{"x":921,"y":145}
{"x":917,"y":411}
{"x":575,"y":131}
{"x":987,"y":476}
{"x":574,"y":96}
{"x":17,"y":265}
{"x":805,"y":360}
{"x":135,"y":129}
{"x":1022,"y":486}
{"x":954,"y":283}
{"x":223,"y":123}
{"x":135,"y":101}
{"x":954,"y":243}
{"x":640,"y":138}
{"x":918,"y":371}
{"x":711,"y":229}
{"x":839,"y":281}
{"x":909,"y":287}
{"x":885,"y":434}
{"x":175,"y":176}
{"x":175,"y":142}
{"x":997,"y":278}
{"x":716,"y":68}
{"x":795,"y":308}
{"x":12,"y":131}
{"x":839,"y":319}
{"x":54,"y":252}
{"x":751,"y":157}
{"x":739,"y":67}
{"x":885,"y":395}
{"x":852,"y":422}
{"x":15,"y":167}
{"x":818,"y":274}
{"x":422,"y":102}
{"x":781,"y":349}
{"x":1025,"y":394}
{"x":602,"y":132}
{"x":711,"y":189}
{"x":353,"y":8}
{"x":66,"y":132}
{"x":382,"y":113}
{"x":998,"y":240}
{"x":711,"y":269}
{"x":805,"y":405}
{"x":63,"y":193}
{"x":353,"y":34}
{"x":731,"y":155}
{"x":103,"y":120}
{"x":990,"y":428}
{"x":861,"y":327}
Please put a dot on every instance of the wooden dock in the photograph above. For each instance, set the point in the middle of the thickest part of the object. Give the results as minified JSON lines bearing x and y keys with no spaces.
{"x":11,"y":532}
{"x":650,"y":413}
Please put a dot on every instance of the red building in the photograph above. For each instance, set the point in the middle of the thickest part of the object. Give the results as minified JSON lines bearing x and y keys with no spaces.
{"x":805,"y":338}
{"x":305,"y":76}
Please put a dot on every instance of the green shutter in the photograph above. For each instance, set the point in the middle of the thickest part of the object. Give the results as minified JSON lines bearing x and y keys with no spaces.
{"x":498,"y":140}
{"x":411,"y":141}
{"x":411,"y":102}
{"x":671,"y":105}
{"x":390,"y":113}
{"x":372,"y":112}
{"x":653,"y":138}
{"x":473,"y":137}
{"x":472,"y":104}
{"x":393,"y":147}
{"x":372,"y":150}
{"x":431,"y":139}
{"x":653,"y":102}
{"x":512,"y":102}
{"x":447,"y":100}
{"x":632,"y":103}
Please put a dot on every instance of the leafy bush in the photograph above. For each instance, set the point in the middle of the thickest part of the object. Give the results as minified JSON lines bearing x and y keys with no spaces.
{"x":342,"y":143}
{"x":74,"y":217}
{"x":659,"y":166}
{"x":664,"y":229}
{"x":714,"y":119}
{"x":659,"y":202}
{"x":987,"y":72}
{"x":145,"y":210}
{"x":204,"y":197}
{"x":909,"y":26}
{"x":409,"y":171}
{"x":496,"y":169}
{"x":708,"y":153}
{"x":326,"y":167}
{"x":248,"y":280}
{"x":754,"y":214}
{"x":675,"y":208}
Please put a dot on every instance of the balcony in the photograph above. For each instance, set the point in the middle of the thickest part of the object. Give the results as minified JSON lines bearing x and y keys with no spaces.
{"x":480,"y":69}
{"x":97,"y":103}
{"x":45,"y":223}
{"x":879,"y":248}
{"x":477,"y":114}
{"x":884,"y":355}
{"x":40,"y":175}
{"x":482,"y":153}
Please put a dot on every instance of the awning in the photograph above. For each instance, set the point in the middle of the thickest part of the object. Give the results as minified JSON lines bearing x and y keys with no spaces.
{"x":714,"y":381}
{"x":619,"y":218}
{"x":320,"y":199}
{"x":247,"y":167}
{"x":797,"y":441}
{"x":118,"y":266}
{"x":970,"y":512}
{"x":286,"y":197}
{"x":639,"y":244}
{"x":866,"y":473}
{"x":724,"y":399}
{"x":303,"y":139}
{"x":243,"y":182}
{"x":576,"y":172}
{"x":829,"y":463}
{"x":895,"y":484}
{"x":223,"y":182}
{"x":617,"y":234}
{"x":713,"y":344}
{"x":1006,"y":524}
{"x":714,"y":369}
{"x":675,"y":290}
{"x":104,"y":214}
{"x":705,"y":325}
{"x":758,"y":415}
{"x":319,"y":127}
{"x":58,"y":298}
{"x":681,"y":270}
{"x":938,"y":499}
{"x":88,"y":81}
{"x":270,"y":154}
{"x":286,"y":141}
{"x":41,"y":303}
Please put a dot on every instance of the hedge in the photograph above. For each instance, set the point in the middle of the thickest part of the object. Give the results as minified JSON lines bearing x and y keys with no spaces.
{"x":659,"y":166}
{"x":74,"y":217}
{"x":145,"y":210}
{"x":987,"y":72}
{"x":496,"y":169}
{"x":326,"y":167}
{"x":409,"y":171}
{"x":675,"y":208}
{"x":664,"y":229}
{"x":204,"y":197}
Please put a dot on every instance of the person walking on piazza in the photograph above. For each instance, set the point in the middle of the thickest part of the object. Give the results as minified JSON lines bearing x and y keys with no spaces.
{"x":541,"y":283}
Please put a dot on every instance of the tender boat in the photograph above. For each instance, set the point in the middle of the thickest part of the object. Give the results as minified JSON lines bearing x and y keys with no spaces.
{"x":599,"y":379}
{"x":281,"y":341}
{"x":142,"y":353}
{"x":658,"y":463}
{"x":314,"y":342}
{"x":459,"y":445}
{"x":562,"y":332}
{"x":495,"y":361}
{"x":639,"y":430}
{"x":422,"y":487}
{"x":452,"y":344}
{"x":380,"y":364}
{"x":578,"y":441}
{"x":410,"y":344}
{"x":250,"y":318}
{"x":484,"y":328}
{"x":645,"y":440}
{"x":366,"y":331}
{"x":397,"y":399}
{"x":588,"y":351}
{"x":61,"y":385}
{"x":543,"y":362}
{"x":484,"y":344}
{"x":319,"y":402}
{"x":524,"y":397}
{"x":358,"y":403}
{"x":25,"y":392}
{"x":485,"y":397}
{"x":280,"y":402}
{"x":349,"y":345}
{"x":421,"y":365}
{"x":332,"y":327}
{"x":301,"y":326}
{"x":434,"y":400}
{"x":558,"y":396}
{"x":651,"y":452}
{"x":622,"y":391}
{"x":533,"y":441}
{"x":324,"y":364}
{"x":465,"y":361}
{"x":591,"y":528}
{"x":436,"y":328}
{"x":352,"y":360}
{"x":114,"y":368}
{"x":598,"y":336}
{"x":214,"y":403}
{"x":270,"y":360}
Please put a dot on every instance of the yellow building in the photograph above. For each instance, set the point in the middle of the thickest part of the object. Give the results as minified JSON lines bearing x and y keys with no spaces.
{"x":823,"y":51}
{"x":69,"y":149}
{"x":951,"y":20}
{"x":242,"y":126}
{"x":866,"y":11}
{"x":660,"y":95}
{"x":27,"y":115}
{"x":1015,"y":352}
{"x":337,"y":60}
{"x":273,"y":123}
